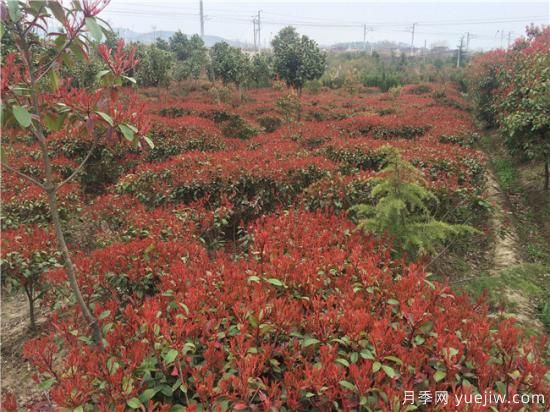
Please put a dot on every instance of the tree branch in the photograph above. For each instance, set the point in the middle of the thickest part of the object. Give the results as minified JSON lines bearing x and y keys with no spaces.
{"x":23,"y":175}
{"x":80,"y":166}
{"x":65,"y":46}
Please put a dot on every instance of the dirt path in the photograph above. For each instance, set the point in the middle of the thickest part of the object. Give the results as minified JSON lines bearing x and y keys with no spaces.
{"x":16,"y":372}
{"x":505,"y":253}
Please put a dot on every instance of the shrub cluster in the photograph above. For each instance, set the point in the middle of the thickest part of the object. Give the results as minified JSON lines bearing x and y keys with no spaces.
{"x":313,"y":326}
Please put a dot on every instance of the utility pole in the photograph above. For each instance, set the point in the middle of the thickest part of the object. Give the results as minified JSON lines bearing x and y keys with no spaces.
{"x":459,"y":54}
{"x":424,"y":51}
{"x":509,"y":38}
{"x":501,"y":39}
{"x":467,"y":41}
{"x":259,"y":29}
{"x":364,"y":37}
{"x":254,"y":29}
{"x":202,"y":19}
{"x":412,"y":38}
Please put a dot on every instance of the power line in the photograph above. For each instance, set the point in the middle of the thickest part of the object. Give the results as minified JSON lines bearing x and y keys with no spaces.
{"x":380,"y":27}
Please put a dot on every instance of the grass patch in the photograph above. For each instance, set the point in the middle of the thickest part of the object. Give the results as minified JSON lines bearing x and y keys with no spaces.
{"x":506,"y":174}
{"x":529,"y":280}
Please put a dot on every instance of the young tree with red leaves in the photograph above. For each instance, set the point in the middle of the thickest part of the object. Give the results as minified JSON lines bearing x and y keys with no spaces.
{"x":36,"y":100}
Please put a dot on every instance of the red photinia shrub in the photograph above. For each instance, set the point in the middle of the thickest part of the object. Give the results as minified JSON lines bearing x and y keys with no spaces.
{"x":314,"y":317}
{"x":265,"y":174}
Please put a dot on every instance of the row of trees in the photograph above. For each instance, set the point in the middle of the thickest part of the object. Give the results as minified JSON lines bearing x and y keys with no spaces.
{"x":295,"y":60}
{"x":511,"y":90}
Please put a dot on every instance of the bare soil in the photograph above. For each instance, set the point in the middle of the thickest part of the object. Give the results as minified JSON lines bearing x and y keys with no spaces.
{"x":505,"y":248}
{"x":15,"y":331}
{"x":506,"y":253}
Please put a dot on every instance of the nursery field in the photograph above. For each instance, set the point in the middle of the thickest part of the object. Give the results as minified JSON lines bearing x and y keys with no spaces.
{"x":187,"y":228}
{"x":226,"y":272}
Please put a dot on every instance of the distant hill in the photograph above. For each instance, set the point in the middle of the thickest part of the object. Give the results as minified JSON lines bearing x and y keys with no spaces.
{"x":150,"y":37}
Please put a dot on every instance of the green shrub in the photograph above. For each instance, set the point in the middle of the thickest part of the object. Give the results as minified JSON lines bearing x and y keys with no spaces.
{"x":420,"y":89}
{"x":270,"y":123}
{"x":402,"y":212}
{"x":238,"y":128}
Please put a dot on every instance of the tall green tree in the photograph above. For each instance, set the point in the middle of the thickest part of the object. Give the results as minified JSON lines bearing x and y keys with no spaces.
{"x":297,"y":59}
{"x":162,"y":44}
{"x":179,"y":45}
{"x":261,"y":70}
{"x":192,"y":59}
{"x":154,"y":66}
{"x":230,"y":65}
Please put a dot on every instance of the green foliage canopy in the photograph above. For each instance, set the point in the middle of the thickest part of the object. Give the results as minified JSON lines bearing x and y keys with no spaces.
{"x":297,"y":59}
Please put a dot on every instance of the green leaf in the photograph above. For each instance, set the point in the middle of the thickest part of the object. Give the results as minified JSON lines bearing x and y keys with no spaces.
{"x":13,"y":10}
{"x":132,"y":127}
{"x":22,"y":116}
{"x":310,"y":341}
{"x":389,"y":371}
{"x":78,"y":409}
{"x":130,"y":79}
{"x":253,"y":279}
{"x":394,"y":359}
{"x":102,"y":73}
{"x":47,"y":384}
{"x":439,"y":375}
{"x":57,"y":10}
{"x":177,"y":408}
{"x":134,"y":403}
{"x":54,"y":122}
{"x":170,"y":356}
{"x":106,"y":117}
{"x":347,"y":385}
{"x":104,"y":314}
{"x":148,"y":394}
{"x":376,"y":366}
{"x":94,"y":28}
{"x":393,"y":302}
{"x":127,"y":132}
{"x":149,"y":141}
{"x":275,"y":282}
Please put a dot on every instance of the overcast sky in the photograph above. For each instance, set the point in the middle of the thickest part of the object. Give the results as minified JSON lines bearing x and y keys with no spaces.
{"x":489,"y":23}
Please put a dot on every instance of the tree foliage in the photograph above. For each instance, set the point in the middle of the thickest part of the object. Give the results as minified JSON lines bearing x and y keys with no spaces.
{"x":154,"y":66}
{"x":511,"y":89}
{"x":401,"y":209}
{"x":297,"y":59}
{"x":525,"y":109}
{"x":229,"y":64}
{"x":261,"y":70}
{"x":191,"y":56}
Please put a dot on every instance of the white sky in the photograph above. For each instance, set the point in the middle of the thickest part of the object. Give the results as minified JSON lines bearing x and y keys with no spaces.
{"x":328,"y":22}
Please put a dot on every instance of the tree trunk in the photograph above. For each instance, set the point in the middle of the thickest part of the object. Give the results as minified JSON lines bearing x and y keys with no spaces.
{"x":69,"y":266}
{"x":50,"y":188}
{"x":546,"y":173}
{"x":28,"y":292}
{"x":31,"y":314}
